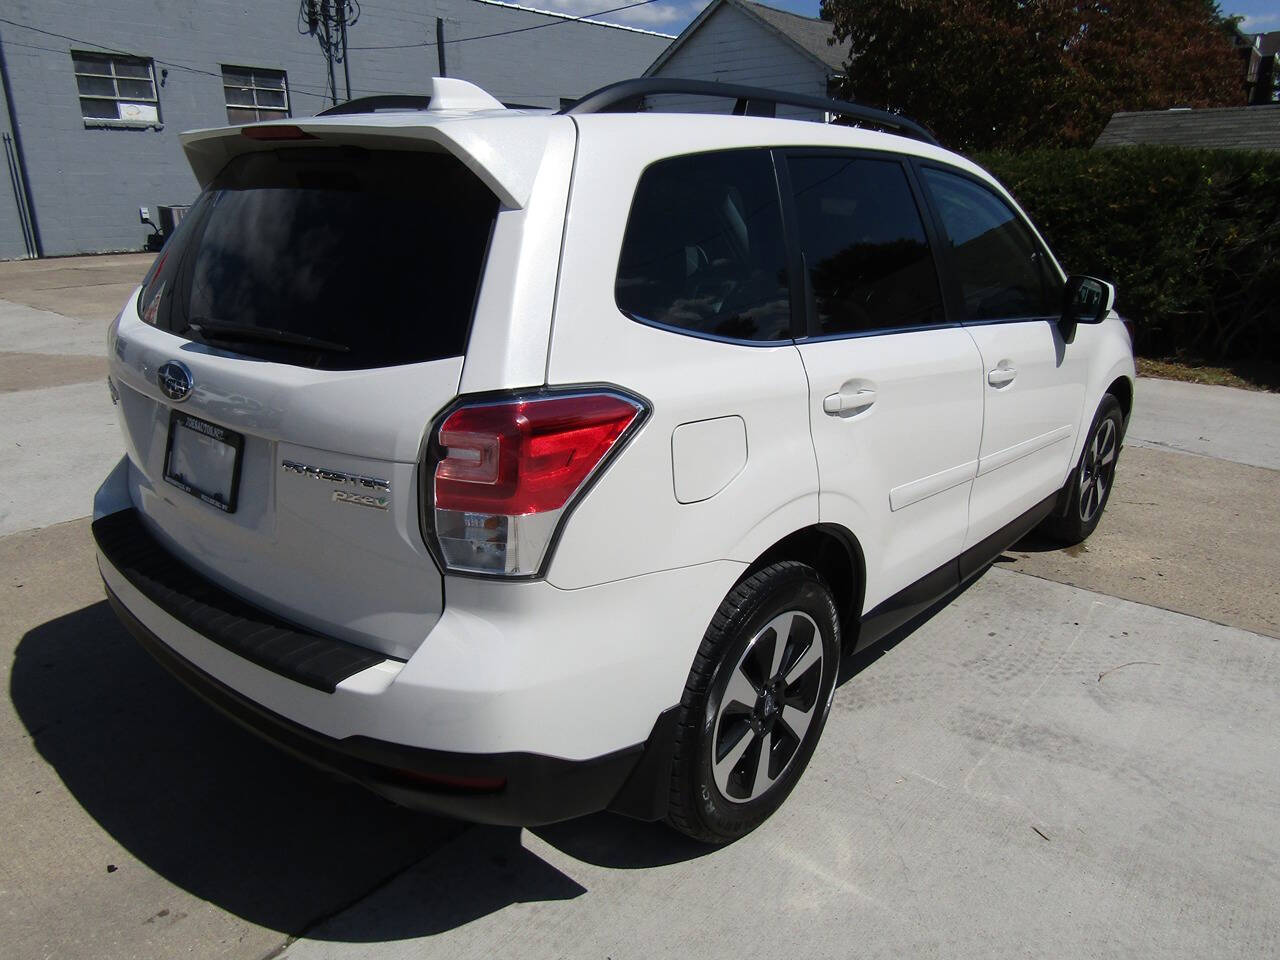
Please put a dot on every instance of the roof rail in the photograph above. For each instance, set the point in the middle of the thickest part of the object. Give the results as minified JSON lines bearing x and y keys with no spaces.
{"x":390,"y":101}
{"x":626,"y":95}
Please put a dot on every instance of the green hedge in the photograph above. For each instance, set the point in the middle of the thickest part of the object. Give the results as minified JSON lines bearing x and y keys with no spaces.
{"x":1191,"y":238}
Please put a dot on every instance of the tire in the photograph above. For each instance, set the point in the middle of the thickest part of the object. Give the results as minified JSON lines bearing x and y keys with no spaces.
{"x":739,"y":661}
{"x":1092,"y":479}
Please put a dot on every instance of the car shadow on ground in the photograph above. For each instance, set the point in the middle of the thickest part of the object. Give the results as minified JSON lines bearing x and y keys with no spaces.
{"x":236,"y":822}
{"x":1036,"y":542}
{"x":853,"y":664}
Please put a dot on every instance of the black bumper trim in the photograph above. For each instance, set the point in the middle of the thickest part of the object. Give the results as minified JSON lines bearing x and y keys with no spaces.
{"x":308,"y":658}
{"x":513,"y":789}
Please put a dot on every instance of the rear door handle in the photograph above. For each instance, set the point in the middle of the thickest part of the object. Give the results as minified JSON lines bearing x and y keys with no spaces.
{"x":851,"y":401}
{"x":1001,"y":376}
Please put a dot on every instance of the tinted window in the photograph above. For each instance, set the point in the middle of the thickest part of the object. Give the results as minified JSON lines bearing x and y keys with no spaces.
{"x":864,"y":245}
{"x":358,"y":258}
{"x":703,"y":249}
{"x":1003,"y":274}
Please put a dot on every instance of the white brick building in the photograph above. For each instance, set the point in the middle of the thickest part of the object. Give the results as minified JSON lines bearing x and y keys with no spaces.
{"x":99,"y":91}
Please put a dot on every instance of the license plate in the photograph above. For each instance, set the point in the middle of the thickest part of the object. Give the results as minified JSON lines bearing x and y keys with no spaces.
{"x":203,"y":459}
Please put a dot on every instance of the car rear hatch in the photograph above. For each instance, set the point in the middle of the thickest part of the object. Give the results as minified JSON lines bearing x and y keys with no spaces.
{"x":281,"y":363}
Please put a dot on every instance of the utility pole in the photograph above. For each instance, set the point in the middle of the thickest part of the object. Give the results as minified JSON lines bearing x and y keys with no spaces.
{"x":327,"y":21}
{"x":342,"y":27}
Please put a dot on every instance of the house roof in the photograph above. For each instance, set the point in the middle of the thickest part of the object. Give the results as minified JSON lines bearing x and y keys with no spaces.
{"x":1267,"y":44}
{"x":812,"y":36}
{"x":560,"y":15}
{"x":1239,"y":128}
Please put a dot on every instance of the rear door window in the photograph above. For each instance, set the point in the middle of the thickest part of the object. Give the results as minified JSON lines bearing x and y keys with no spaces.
{"x":865,"y":249}
{"x":703,"y":250}
{"x":1003,"y":273}
{"x":331,"y":257}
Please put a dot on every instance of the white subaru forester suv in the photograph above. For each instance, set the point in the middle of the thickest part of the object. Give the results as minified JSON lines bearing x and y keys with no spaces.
{"x":521,"y":464}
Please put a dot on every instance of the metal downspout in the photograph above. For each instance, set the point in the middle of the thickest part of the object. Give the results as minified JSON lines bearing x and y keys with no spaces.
{"x":21,"y":156}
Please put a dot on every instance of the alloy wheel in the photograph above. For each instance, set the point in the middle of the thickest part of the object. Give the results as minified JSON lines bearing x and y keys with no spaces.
{"x":1097,"y":469}
{"x":768,"y":705}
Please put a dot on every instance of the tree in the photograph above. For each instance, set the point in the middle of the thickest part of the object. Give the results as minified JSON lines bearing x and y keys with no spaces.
{"x":1014,"y":74}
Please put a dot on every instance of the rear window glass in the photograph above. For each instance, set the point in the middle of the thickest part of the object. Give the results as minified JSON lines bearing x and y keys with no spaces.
{"x":337,"y":258}
{"x":703,"y":250}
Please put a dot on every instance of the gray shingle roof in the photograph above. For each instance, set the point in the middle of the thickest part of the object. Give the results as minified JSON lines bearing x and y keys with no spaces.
{"x":812,"y":34}
{"x":1241,"y":128}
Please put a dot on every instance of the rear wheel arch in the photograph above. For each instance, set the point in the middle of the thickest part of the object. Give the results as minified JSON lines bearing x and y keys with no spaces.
{"x":837,"y":555}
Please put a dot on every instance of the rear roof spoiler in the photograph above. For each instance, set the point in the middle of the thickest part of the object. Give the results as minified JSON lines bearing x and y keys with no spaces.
{"x":504,"y":152}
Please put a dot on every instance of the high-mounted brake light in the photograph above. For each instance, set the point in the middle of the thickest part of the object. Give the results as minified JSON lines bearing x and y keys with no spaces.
{"x":507,"y":470}
{"x":285,"y":132}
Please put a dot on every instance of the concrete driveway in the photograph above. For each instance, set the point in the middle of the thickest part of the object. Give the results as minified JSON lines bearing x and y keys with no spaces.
{"x":1076,"y":757}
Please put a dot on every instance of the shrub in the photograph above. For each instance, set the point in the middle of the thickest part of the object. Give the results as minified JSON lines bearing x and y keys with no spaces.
{"x":1191,"y":238}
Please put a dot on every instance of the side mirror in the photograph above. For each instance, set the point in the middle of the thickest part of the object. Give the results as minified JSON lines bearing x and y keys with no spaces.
{"x":1084,"y":300}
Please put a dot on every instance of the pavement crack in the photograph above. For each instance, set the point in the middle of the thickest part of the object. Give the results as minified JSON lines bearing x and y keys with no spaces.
{"x":308,"y":928}
{"x":1131,"y":663}
{"x":1274,"y":633}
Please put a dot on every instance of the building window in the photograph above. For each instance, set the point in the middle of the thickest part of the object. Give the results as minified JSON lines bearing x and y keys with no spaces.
{"x":254,"y":94}
{"x":116,"y":90}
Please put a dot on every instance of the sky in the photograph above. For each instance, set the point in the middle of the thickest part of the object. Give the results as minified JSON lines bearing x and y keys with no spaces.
{"x":672,"y":16}
{"x":664,"y":16}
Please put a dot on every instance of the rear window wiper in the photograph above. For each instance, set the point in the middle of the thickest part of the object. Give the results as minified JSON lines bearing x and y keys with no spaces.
{"x":217,"y":330}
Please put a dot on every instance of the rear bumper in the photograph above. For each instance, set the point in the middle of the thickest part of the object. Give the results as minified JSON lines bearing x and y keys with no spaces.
{"x":564,"y":695}
{"x":521,"y":789}
{"x":303,"y":656}
{"x":524,"y":703}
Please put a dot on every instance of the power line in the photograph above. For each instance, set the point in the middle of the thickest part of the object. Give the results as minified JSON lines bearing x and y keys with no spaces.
{"x":100,"y":46}
{"x":562,"y":19}
{"x":303,"y":88}
{"x":293,"y":87}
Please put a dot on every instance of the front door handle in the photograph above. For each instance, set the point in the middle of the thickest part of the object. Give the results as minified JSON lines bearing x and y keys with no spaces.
{"x":1001,"y":376}
{"x":848,"y":402}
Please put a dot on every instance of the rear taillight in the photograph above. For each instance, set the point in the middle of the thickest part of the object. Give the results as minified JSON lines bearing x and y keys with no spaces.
{"x":503,"y":473}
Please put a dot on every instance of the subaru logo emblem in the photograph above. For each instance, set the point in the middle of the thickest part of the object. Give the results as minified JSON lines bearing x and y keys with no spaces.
{"x":175,"y":380}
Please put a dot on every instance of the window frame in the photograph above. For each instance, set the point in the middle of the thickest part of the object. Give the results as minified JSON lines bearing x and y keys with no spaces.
{"x":810,"y":331}
{"x":953,"y":288}
{"x":254,"y":88}
{"x":111,"y":59}
{"x":786,"y":231}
